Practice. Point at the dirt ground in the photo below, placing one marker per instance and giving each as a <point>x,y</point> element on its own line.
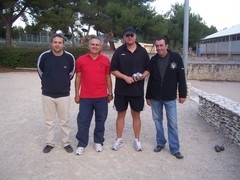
<point>22,135</point>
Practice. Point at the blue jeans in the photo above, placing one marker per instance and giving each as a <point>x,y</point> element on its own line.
<point>86,108</point>
<point>171,113</point>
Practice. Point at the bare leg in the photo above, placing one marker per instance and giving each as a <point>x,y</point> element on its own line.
<point>136,123</point>
<point>120,123</point>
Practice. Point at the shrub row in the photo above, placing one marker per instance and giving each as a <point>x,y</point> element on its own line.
<point>13,57</point>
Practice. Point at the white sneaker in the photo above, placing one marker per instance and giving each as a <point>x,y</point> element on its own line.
<point>117,144</point>
<point>137,145</point>
<point>98,147</point>
<point>80,150</point>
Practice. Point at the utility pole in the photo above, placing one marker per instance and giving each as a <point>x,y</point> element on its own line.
<point>186,36</point>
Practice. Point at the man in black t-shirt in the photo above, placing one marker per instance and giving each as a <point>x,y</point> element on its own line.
<point>128,60</point>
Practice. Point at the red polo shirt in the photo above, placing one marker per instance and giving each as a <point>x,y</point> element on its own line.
<point>93,75</point>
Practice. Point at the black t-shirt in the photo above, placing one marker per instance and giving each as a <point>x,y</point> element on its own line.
<point>129,63</point>
<point>162,63</point>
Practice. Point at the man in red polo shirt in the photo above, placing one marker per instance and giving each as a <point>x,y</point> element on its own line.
<point>93,91</point>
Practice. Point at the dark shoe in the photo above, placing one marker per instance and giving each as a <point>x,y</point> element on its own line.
<point>158,148</point>
<point>69,148</point>
<point>219,148</point>
<point>47,149</point>
<point>178,155</point>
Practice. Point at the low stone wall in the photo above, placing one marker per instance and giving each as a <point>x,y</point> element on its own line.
<point>214,72</point>
<point>222,113</point>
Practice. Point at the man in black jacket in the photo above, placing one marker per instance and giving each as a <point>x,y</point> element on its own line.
<point>56,69</point>
<point>166,77</point>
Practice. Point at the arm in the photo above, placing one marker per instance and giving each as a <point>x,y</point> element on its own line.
<point>148,101</point>
<point>127,79</point>
<point>145,74</point>
<point>40,66</point>
<point>149,85</point>
<point>77,87</point>
<point>115,68</point>
<point>182,85</point>
<point>109,87</point>
<point>71,74</point>
<point>181,100</point>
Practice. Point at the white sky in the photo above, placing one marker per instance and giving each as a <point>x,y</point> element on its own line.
<point>219,13</point>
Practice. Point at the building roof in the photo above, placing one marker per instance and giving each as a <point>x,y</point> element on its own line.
<point>226,32</point>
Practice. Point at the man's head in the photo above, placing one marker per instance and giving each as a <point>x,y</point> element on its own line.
<point>95,45</point>
<point>129,35</point>
<point>161,44</point>
<point>57,43</point>
<point>58,36</point>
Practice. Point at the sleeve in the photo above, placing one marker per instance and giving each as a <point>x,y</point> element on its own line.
<point>182,86</point>
<point>40,65</point>
<point>148,64</point>
<point>107,66</point>
<point>114,61</point>
<point>78,66</point>
<point>148,91</point>
<point>72,72</point>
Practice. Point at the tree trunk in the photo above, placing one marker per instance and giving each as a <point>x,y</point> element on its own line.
<point>8,34</point>
<point>89,26</point>
<point>72,37</point>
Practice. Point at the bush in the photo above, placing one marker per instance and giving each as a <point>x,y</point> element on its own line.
<point>27,57</point>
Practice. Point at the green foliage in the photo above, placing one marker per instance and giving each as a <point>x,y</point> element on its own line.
<point>27,57</point>
<point>11,10</point>
<point>102,15</point>
<point>113,16</point>
<point>77,51</point>
<point>175,22</point>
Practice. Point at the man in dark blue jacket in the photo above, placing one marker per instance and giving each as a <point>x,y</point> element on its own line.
<point>166,77</point>
<point>56,69</point>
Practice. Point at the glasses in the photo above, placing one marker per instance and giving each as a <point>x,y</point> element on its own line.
<point>129,35</point>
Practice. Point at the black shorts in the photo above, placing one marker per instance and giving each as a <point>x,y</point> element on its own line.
<point>136,102</point>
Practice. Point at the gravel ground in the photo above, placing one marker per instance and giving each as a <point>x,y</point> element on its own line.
<point>22,135</point>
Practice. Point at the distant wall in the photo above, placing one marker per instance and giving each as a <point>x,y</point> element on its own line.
<point>214,72</point>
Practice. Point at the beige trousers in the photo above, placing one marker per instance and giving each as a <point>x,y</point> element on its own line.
<point>51,108</point>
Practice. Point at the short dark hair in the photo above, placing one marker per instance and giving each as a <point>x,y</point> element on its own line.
<point>58,35</point>
<point>165,38</point>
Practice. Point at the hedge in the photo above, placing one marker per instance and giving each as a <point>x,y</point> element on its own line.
<point>13,57</point>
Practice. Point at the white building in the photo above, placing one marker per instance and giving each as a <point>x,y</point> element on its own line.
<point>223,44</point>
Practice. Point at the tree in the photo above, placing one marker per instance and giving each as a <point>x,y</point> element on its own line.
<point>197,27</point>
<point>61,16</point>
<point>175,23</point>
<point>11,10</point>
<point>105,16</point>
<point>113,15</point>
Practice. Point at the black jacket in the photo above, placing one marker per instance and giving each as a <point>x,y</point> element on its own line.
<point>174,79</point>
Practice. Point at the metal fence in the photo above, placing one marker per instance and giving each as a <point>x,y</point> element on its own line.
<point>41,38</point>
<point>30,40</point>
